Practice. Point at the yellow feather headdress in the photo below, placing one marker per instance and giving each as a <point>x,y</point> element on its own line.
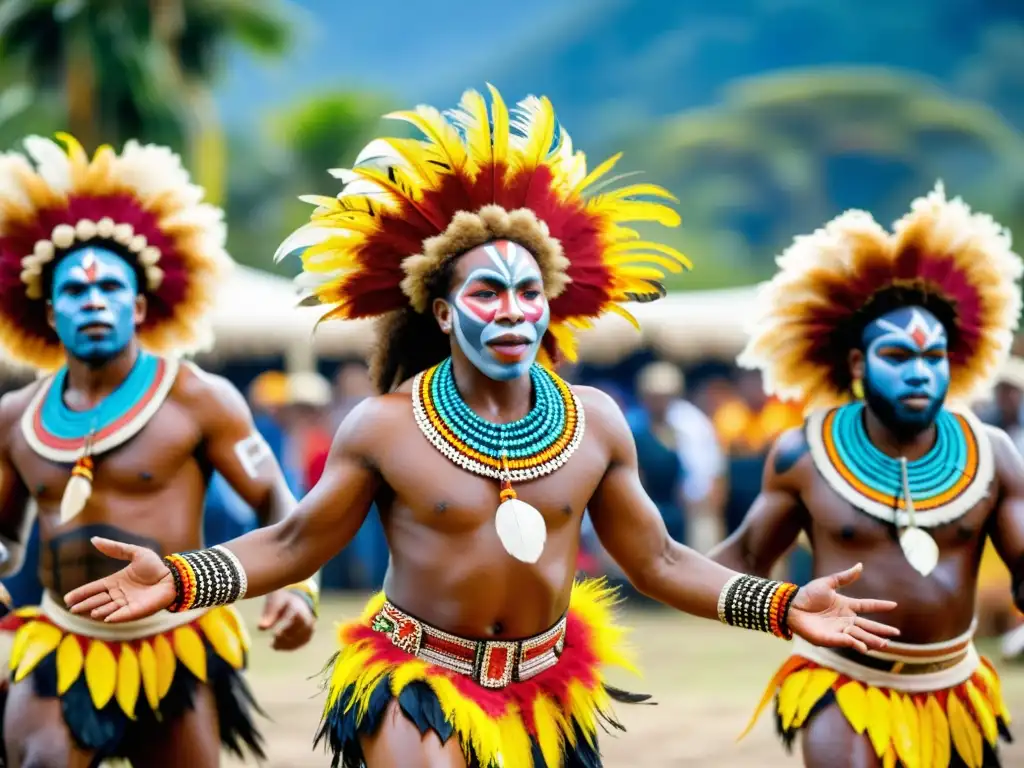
<point>139,204</point>
<point>408,206</point>
<point>958,264</point>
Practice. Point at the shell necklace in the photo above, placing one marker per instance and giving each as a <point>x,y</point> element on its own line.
<point>519,451</point>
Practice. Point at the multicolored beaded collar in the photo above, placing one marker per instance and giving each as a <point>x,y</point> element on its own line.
<point>531,447</point>
<point>944,484</point>
<point>535,445</point>
<point>59,434</point>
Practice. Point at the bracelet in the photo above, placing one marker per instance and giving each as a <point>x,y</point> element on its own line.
<point>760,604</point>
<point>311,592</point>
<point>204,578</point>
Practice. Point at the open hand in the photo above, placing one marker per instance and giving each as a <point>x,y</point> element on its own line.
<point>820,615</point>
<point>142,588</point>
<point>291,618</point>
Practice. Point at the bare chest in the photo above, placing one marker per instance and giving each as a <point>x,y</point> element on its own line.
<point>431,490</point>
<point>145,464</point>
<point>837,521</point>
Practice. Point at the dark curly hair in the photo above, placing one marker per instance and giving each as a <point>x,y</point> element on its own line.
<point>897,297</point>
<point>850,335</point>
<point>409,341</point>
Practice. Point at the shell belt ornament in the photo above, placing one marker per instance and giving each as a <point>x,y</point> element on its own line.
<point>939,488</point>
<point>523,450</point>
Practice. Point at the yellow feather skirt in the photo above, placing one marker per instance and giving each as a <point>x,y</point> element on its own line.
<point>546,722</point>
<point>110,687</point>
<point>952,727</point>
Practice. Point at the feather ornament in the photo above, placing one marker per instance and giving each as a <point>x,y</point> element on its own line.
<point>402,193</point>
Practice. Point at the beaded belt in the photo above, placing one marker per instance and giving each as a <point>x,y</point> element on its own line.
<point>936,671</point>
<point>491,663</point>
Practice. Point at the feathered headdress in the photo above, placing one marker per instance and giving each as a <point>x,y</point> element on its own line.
<point>139,204</point>
<point>408,206</point>
<point>957,264</point>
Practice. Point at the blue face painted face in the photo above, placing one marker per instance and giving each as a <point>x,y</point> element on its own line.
<point>499,312</point>
<point>906,368</point>
<point>93,298</point>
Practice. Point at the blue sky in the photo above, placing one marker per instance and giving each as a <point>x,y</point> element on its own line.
<point>411,49</point>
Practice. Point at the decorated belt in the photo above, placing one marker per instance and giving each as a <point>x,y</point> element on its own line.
<point>900,666</point>
<point>491,663</point>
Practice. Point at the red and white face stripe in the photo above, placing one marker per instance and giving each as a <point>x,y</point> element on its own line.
<point>512,287</point>
<point>501,297</point>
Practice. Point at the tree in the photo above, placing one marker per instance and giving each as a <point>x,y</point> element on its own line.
<point>783,153</point>
<point>98,55</point>
<point>129,69</point>
<point>301,144</point>
<point>193,37</point>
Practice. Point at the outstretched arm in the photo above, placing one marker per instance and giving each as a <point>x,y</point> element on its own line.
<point>776,516</point>
<point>287,552</point>
<point>631,529</point>
<point>234,447</point>
<point>1007,525</point>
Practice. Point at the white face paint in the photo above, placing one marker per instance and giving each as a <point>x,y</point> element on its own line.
<point>500,312</point>
<point>252,452</point>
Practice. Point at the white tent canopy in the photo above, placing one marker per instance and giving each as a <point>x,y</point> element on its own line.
<point>257,314</point>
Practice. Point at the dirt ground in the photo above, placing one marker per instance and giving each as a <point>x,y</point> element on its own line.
<point>706,678</point>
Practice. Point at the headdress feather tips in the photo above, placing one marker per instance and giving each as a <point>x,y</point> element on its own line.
<point>940,254</point>
<point>407,206</point>
<point>140,204</point>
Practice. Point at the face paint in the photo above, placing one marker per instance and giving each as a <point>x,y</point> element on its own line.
<point>906,369</point>
<point>93,298</point>
<point>499,312</point>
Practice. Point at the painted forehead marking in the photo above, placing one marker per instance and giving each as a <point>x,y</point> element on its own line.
<point>917,330</point>
<point>512,260</point>
<point>90,266</point>
<point>87,270</point>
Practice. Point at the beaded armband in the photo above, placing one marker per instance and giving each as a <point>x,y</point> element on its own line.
<point>310,590</point>
<point>205,578</point>
<point>751,602</point>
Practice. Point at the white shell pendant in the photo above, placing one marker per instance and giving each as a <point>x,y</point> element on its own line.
<point>77,491</point>
<point>920,550</point>
<point>521,529</point>
<point>918,546</point>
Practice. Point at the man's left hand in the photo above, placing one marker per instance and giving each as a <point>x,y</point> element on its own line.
<point>822,616</point>
<point>291,618</point>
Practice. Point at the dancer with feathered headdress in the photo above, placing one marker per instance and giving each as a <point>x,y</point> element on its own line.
<point>887,336</point>
<point>481,247</point>
<point>108,271</point>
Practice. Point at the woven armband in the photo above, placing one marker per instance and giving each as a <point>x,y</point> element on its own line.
<point>205,578</point>
<point>754,603</point>
<point>310,590</point>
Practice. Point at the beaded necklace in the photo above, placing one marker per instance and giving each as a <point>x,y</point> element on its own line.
<point>522,450</point>
<point>938,488</point>
<point>64,436</point>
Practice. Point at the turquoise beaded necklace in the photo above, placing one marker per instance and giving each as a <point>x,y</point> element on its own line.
<point>537,431</point>
<point>532,446</point>
<point>942,485</point>
<point>521,450</point>
<point>929,477</point>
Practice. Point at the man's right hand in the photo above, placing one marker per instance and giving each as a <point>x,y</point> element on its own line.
<point>142,588</point>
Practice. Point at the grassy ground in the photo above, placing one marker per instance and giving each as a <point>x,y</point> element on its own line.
<point>705,677</point>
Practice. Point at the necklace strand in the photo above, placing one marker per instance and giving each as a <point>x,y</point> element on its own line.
<point>535,445</point>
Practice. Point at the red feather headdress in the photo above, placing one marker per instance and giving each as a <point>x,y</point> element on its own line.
<point>940,255</point>
<point>139,204</point>
<point>409,205</point>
